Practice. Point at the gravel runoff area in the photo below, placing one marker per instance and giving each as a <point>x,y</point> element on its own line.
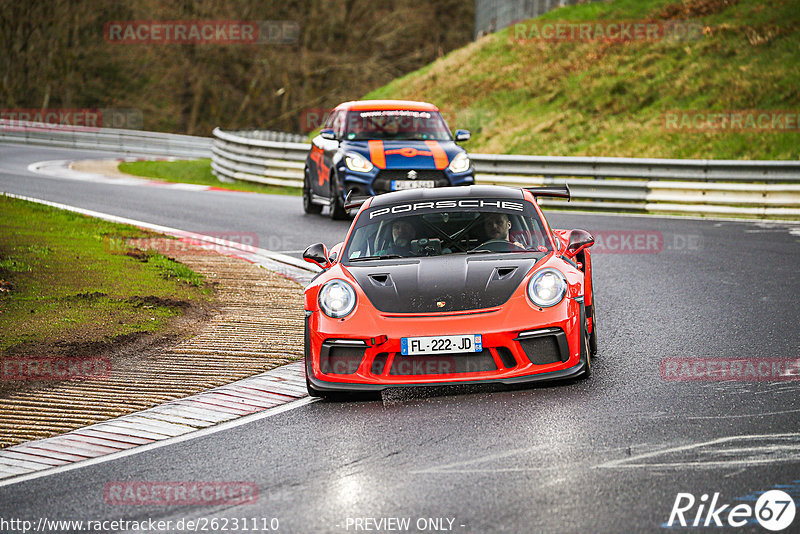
<point>257,326</point>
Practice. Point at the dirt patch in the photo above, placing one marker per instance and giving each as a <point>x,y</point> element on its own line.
<point>152,301</point>
<point>106,167</point>
<point>695,8</point>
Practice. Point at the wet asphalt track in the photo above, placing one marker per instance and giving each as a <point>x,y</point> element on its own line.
<point>605,455</point>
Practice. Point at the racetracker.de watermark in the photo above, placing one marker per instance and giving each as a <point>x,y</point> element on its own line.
<point>742,120</point>
<point>606,30</point>
<point>55,368</point>
<point>214,32</point>
<point>70,119</point>
<point>736,369</point>
<point>184,493</point>
<point>643,242</point>
<point>313,118</point>
<point>216,242</point>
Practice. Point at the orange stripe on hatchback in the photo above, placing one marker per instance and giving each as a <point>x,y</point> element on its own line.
<point>439,155</point>
<point>377,154</point>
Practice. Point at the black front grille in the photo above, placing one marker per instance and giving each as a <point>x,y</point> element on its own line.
<point>545,349</point>
<point>435,364</point>
<point>340,360</point>
<point>383,181</point>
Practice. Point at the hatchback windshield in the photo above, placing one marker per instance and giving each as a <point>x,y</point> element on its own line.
<point>436,232</point>
<point>396,124</point>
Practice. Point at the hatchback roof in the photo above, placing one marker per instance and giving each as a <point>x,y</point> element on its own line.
<point>377,105</point>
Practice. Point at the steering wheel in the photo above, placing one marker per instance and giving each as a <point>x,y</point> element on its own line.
<point>499,245</point>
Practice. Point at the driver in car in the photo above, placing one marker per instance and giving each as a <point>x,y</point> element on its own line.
<point>497,226</point>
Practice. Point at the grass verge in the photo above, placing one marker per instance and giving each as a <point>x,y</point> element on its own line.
<point>68,282</point>
<point>196,172</point>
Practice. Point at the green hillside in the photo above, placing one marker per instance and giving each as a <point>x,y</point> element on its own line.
<point>599,97</point>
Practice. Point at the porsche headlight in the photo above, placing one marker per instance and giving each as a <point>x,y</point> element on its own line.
<point>460,163</point>
<point>547,287</point>
<point>357,162</point>
<point>337,299</point>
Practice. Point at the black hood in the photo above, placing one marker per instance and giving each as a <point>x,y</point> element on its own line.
<point>461,282</point>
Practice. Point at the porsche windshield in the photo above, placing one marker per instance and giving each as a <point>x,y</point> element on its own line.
<point>436,232</point>
<point>396,124</point>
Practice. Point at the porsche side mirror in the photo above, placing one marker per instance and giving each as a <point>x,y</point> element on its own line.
<point>462,135</point>
<point>328,133</point>
<point>318,255</point>
<point>578,240</point>
<point>333,254</point>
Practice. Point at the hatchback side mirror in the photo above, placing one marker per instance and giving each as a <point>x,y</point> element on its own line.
<point>328,133</point>
<point>462,135</point>
<point>578,241</point>
<point>318,255</point>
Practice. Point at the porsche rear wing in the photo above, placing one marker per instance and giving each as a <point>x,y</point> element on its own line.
<point>555,191</point>
<point>354,202</point>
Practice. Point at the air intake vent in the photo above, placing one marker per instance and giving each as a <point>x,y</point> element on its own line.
<point>381,279</point>
<point>549,346</point>
<point>340,360</point>
<point>504,272</point>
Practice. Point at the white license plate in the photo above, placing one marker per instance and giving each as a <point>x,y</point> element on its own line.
<point>399,185</point>
<point>409,346</point>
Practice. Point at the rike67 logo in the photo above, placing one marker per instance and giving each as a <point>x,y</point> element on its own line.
<point>774,510</point>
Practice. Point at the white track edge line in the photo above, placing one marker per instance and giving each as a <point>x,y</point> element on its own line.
<point>226,425</point>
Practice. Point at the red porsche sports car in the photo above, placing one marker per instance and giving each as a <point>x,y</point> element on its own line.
<point>450,286</point>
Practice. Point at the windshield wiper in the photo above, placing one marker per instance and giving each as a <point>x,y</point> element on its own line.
<point>378,257</point>
<point>486,250</point>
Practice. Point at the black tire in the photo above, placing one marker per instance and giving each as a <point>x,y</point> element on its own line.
<point>593,335</point>
<point>586,353</point>
<point>308,206</point>
<point>338,213</point>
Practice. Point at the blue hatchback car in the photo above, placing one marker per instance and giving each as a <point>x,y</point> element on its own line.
<point>371,147</point>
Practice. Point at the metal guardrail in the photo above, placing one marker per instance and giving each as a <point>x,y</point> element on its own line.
<point>133,142</point>
<point>716,187</point>
<point>713,187</point>
<point>249,157</point>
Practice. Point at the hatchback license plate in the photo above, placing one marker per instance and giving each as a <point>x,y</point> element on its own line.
<point>400,185</point>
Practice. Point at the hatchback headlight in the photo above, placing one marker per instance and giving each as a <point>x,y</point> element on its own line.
<point>337,299</point>
<point>357,162</point>
<point>460,163</point>
<point>547,287</point>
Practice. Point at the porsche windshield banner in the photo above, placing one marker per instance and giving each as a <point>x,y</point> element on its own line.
<point>498,205</point>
